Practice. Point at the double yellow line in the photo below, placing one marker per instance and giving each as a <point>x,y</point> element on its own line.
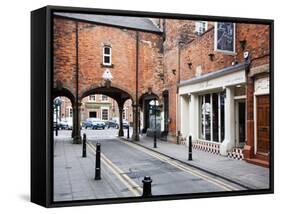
<point>184,167</point>
<point>132,186</point>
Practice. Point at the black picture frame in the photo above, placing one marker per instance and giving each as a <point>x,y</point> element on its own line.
<point>41,106</point>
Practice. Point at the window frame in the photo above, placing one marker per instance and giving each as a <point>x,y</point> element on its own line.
<point>102,109</point>
<point>198,25</point>
<point>107,55</point>
<point>234,40</point>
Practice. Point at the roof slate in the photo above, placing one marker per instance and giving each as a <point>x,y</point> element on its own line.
<point>139,23</point>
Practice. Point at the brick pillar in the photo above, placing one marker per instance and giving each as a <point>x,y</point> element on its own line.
<point>76,124</point>
<point>249,146</point>
<point>135,135</point>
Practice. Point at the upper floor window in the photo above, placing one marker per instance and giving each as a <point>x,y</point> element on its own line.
<point>92,98</point>
<point>201,27</point>
<point>104,97</point>
<point>225,37</point>
<point>106,55</point>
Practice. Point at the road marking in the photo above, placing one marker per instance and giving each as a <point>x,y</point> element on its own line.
<point>125,179</point>
<point>183,167</point>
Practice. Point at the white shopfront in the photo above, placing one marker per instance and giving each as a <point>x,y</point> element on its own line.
<point>207,107</point>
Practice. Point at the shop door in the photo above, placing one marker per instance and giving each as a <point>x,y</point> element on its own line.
<point>263,124</point>
<point>240,123</point>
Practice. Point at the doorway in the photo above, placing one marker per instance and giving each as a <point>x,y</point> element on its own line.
<point>263,129</point>
<point>240,124</point>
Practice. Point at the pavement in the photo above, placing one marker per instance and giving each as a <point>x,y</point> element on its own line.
<point>74,175</point>
<point>249,175</point>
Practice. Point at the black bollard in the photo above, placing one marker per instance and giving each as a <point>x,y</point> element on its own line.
<point>146,186</point>
<point>57,129</point>
<point>190,148</point>
<point>98,169</point>
<point>128,132</point>
<point>155,140</point>
<point>84,152</point>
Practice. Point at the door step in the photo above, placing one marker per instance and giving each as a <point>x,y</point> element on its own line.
<point>236,153</point>
<point>258,162</point>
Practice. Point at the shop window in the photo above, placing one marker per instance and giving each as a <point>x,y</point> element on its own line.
<point>212,117</point>
<point>225,37</point>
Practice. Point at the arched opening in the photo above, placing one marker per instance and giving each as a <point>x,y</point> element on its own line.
<point>62,116</point>
<point>150,114</point>
<point>109,109</point>
<point>63,104</point>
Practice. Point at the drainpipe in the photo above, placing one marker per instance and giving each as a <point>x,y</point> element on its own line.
<point>180,43</point>
<point>77,137</point>
<point>136,106</point>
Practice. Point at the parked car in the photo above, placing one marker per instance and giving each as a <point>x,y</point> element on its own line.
<point>93,123</point>
<point>114,123</point>
<point>62,124</point>
<point>69,122</point>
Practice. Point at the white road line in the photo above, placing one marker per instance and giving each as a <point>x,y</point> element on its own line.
<point>125,179</point>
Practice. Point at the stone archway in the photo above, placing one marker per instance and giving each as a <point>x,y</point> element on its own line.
<point>144,104</point>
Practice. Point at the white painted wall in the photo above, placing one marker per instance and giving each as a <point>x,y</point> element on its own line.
<point>185,120</point>
<point>194,117</point>
<point>229,139</point>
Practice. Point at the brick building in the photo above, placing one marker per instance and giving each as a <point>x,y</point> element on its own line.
<point>224,90</point>
<point>209,80</point>
<point>97,106</point>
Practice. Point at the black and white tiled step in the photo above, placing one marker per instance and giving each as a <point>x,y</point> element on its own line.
<point>236,153</point>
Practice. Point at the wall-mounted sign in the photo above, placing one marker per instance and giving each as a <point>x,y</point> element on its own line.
<point>225,37</point>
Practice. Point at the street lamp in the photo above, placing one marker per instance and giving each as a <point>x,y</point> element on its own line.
<point>57,103</point>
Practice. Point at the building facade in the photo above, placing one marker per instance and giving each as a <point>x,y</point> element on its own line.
<point>209,80</point>
<point>96,106</point>
<point>224,91</point>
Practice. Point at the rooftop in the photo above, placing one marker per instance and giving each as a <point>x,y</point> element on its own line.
<point>136,23</point>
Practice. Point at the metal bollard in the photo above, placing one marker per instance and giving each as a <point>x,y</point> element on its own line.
<point>98,169</point>
<point>128,132</point>
<point>146,186</point>
<point>57,129</point>
<point>155,140</point>
<point>84,152</point>
<point>190,148</point>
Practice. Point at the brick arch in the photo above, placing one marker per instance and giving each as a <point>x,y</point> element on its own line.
<point>148,94</point>
<point>63,92</point>
<point>114,91</point>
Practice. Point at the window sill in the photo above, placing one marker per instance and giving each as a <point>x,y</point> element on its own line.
<point>107,66</point>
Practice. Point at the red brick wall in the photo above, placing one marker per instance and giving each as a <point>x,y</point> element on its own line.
<point>123,44</point>
<point>176,30</point>
<point>197,51</point>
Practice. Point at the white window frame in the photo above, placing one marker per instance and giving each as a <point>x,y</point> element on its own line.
<point>204,119</point>
<point>199,27</point>
<point>106,55</point>
<point>69,110</point>
<point>234,40</point>
<point>94,98</point>
<point>106,100</point>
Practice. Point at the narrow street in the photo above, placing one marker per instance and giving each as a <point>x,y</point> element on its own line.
<point>123,167</point>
